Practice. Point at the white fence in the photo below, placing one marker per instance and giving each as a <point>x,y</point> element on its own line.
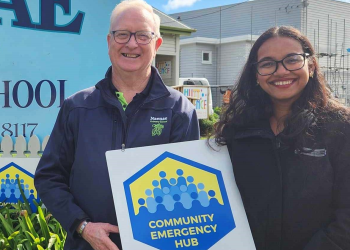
<point>20,148</point>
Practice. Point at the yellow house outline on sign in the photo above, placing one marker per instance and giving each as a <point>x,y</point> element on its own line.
<point>8,175</point>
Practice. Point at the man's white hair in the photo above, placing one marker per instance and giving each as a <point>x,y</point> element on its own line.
<point>135,4</point>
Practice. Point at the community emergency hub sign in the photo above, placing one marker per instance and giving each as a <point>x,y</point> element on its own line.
<point>178,196</point>
<point>49,49</point>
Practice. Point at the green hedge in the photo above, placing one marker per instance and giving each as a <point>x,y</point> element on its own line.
<point>23,230</point>
<point>206,126</point>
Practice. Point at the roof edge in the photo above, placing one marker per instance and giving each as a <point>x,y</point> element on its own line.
<point>215,41</point>
<point>174,20</point>
<point>178,29</point>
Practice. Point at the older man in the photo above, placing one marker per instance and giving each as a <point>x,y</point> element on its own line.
<point>120,111</point>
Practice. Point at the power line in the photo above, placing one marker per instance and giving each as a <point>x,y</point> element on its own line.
<point>208,13</point>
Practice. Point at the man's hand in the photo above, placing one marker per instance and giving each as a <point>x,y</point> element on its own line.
<point>97,235</point>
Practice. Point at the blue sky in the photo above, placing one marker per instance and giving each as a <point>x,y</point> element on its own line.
<point>174,6</point>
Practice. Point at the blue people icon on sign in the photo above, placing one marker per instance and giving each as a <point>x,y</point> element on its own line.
<point>176,203</point>
<point>178,192</point>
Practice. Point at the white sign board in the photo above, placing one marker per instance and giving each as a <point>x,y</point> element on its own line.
<point>178,196</point>
<point>164,69</point>
<point>201,94</point>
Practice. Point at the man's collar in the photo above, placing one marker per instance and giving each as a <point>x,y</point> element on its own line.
<point>113,89</point>
<point>156,90</point>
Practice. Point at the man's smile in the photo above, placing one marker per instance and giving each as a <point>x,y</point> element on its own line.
<point>130,55</point>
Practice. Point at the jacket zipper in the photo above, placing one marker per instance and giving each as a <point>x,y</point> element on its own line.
<point>125,135</point>
<point>114,131</point>
<point>276,145</point>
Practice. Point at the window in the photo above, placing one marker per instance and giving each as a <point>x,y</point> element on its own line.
<point>193,82</point>
<point>206,57</point>
<point>188,83</point>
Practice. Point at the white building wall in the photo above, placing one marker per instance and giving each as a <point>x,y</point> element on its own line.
<point>170,51</point>
<point>234,20</point>
<point>169,81</point>
<point>330,15</point>
<point>325,29</point>
<point>187,60</point>
<point>252,17</point>
<point>233,57</point>
<point>321,20</point>
<point>168,46</point>
<point>191,62</point>
<point>206,70</point>
<point>206,25</point>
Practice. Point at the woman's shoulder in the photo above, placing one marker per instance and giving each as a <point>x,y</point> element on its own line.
<point>335,129</point>
<point>232,131</point>
<point>336,121</point>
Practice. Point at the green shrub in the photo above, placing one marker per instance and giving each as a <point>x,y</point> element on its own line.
<point>206,126</point>
<point>23,230</point>
<point>218,110</point>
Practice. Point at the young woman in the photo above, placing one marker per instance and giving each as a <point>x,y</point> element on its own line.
<point>289,143</point>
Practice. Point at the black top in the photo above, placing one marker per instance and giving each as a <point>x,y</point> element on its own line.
<point>294,200</point>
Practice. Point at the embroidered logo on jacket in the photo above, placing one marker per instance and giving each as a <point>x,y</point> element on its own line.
<point>157,127</point>
<point>312,152</point>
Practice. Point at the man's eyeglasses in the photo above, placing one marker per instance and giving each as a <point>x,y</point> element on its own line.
<point>291,63</point>
<point>141,37</point>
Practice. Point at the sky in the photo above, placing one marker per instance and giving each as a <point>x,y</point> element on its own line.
<point>174,6</point>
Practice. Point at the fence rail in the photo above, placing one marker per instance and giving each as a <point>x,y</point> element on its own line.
<point>20,148</point>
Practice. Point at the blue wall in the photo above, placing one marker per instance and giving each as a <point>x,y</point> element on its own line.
<point>47,46</point>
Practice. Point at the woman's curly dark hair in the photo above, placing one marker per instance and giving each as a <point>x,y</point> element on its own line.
<point>250,103</point>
